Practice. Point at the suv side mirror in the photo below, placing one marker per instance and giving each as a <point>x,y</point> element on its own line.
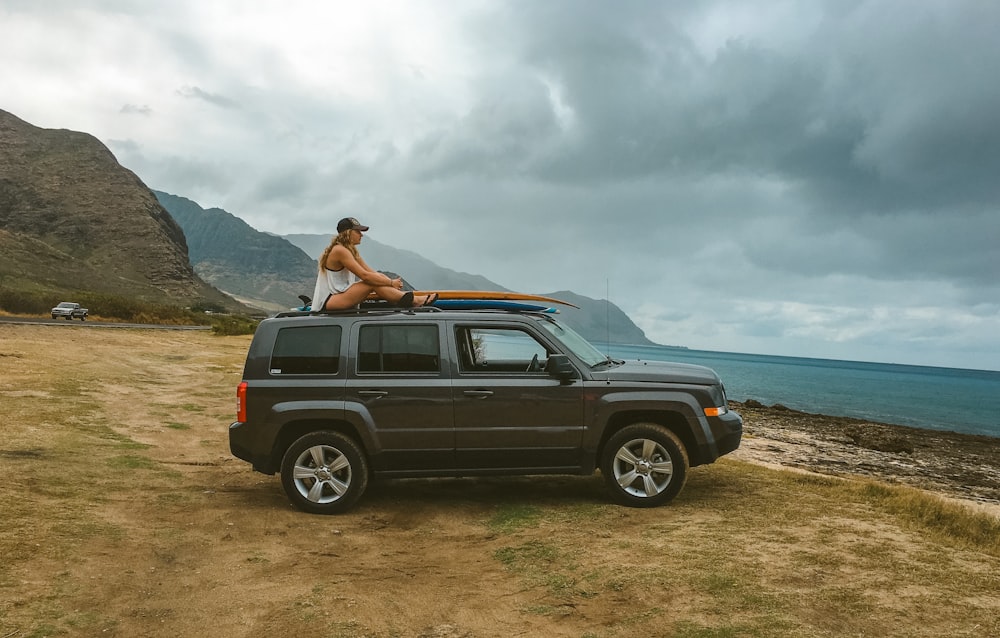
<point>559,366</point>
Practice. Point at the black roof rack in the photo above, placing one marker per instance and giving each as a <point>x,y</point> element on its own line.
<point>387,309</point>
<point>382,309</point>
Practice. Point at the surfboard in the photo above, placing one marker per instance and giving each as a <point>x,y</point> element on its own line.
<point>491,304</point>
<point>492,295</point>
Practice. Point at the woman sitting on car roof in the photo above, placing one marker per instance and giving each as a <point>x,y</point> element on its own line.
<point>345,280</point>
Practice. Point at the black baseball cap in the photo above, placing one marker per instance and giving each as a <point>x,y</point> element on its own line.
<point>349,223</point>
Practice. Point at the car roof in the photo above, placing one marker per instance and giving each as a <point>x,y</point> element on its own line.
<point>388,312</point>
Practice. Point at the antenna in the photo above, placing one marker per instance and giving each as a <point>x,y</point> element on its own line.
<point>607,314</point>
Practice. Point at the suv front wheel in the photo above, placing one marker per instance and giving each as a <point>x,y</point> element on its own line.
<point>644,465</point>
<point>324,472</point>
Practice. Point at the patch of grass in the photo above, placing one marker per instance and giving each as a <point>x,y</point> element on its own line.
<point>527,555</point>
<point>718,545</point>
<point>123,442</point>
<point>174,425</point>
<point>943,519</point>
<point>257,558</point>
<point>344,629</point>
<point>80,530</point>
<point>581,512</point>
<point>692,630</point>
<point>131,462</point>
<point>512,517</point>
<point>44,630</point>
<point>544,565</point>
<point>173,498</point>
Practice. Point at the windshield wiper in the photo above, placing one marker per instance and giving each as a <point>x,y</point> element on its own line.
<point>607,362</point>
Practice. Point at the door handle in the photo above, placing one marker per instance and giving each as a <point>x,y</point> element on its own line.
<point>378,394</point>
<point>478,394</point>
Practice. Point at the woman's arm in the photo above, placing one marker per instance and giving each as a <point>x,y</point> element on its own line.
<point>340,255</point>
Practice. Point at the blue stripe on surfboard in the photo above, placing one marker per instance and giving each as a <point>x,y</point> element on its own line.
<point>489,304</point>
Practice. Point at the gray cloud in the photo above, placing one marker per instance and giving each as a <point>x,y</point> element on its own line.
<point>791,178</point>
<point>135,109</point>
<point>860,113</point>
<point>193,92</point>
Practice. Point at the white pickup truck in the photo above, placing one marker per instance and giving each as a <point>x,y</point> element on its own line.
<point>69,311</point>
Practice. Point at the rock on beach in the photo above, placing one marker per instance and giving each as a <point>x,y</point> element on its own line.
<point>956,465</point>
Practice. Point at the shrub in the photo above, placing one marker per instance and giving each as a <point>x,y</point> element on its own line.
<point>23,302</point>
<point>228,326</point>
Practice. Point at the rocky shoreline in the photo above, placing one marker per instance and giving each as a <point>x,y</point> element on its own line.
<point>962,466</point>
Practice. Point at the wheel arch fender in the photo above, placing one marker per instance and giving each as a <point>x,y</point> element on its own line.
<point>295,419</point>
<point>677,411</point>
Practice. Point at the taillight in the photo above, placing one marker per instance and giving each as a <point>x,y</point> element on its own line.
<point>241,402</point>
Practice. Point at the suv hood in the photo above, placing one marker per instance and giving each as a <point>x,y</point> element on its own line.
<point>663,372</point>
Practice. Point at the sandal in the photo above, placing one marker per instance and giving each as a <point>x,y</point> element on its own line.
<point>406,301</point>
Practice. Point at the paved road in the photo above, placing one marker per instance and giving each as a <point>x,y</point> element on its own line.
<point>34,321</point>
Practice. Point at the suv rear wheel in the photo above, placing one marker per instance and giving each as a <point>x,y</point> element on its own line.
<point>324,472</point>
<point>644,465</point>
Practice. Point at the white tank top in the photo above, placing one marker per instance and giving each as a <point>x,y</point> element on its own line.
<point>332,282</point>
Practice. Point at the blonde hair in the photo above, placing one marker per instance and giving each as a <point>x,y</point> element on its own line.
<point>344,239</point>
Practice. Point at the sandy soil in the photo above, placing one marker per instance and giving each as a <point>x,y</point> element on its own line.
<point>127,516</point>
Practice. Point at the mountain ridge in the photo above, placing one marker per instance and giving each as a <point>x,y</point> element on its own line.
<point>596,319</point>
<point>259,268</point>
<point>416,267</point>
<point>74,219</point>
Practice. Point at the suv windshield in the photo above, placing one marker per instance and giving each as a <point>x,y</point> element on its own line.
<point>574,343</point>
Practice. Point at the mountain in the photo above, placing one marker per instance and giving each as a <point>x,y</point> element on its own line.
<point>268,271</point>
<point>599,321</point>
<point>419,271</point>
<point>72,219</point>
<point>262,270</point>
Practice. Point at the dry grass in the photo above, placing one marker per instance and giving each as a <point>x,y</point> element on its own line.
<point>125,515</point>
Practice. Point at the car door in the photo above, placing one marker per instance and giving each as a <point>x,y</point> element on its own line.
<point>402,389</point>
<point>509,413</point>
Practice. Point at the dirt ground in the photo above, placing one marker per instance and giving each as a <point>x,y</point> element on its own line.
<point>126,515</point>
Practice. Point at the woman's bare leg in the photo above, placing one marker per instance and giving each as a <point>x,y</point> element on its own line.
<point>360,291</point>
<point>393,295</point>
<point>349,298</point>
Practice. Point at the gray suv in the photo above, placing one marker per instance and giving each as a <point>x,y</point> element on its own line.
<point>330,400</point>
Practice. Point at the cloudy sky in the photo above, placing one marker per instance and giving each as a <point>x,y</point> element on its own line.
<point>801,178</point>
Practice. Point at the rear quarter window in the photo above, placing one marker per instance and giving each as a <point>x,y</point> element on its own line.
<point>307,350</point>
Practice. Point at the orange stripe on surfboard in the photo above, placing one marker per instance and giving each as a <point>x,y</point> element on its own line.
<point>492,295</point>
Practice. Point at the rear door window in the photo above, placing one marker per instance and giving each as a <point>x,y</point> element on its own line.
<point>388,348</point>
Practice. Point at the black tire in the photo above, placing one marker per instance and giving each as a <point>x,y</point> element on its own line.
<point>324,472</point>
<point>83,318</point>
<point>644,465</point>
<point>53,316</point>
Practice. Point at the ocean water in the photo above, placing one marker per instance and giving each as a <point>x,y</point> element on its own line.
<point>937,398</point>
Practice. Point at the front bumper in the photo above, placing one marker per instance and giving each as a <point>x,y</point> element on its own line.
<point>728,433</point>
